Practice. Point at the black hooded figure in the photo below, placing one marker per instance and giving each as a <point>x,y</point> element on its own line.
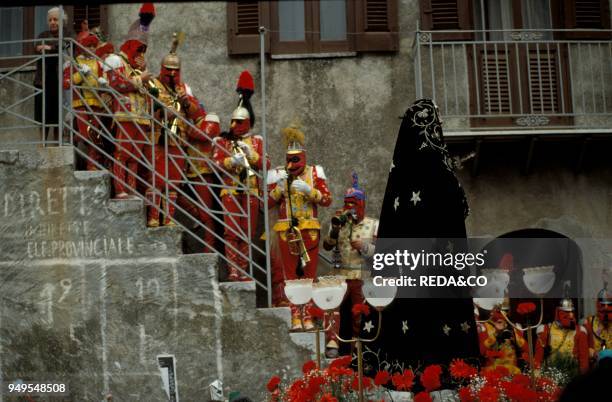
<point>423,199</point>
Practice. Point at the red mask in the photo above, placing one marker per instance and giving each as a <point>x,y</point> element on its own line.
<point>170,76</point>
<point>356,207</point>
<point>296,163</point>
<point>135,51</point>
<point>566,318</point>
<point>239,128</point>
<point>213,129</point>
<point>604,312</point>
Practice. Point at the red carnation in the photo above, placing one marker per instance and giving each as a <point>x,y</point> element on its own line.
<point>422,396</point>
<point>430,379</point>
<point>366,382</point>
<point>460,369</point>
<point>403,381</point>
<point>382,377</point>
<point>314,384</point>
<point>361,308</point>
<point>343,361</point>
<point>525,308</point>
<point>328,398</point>
<point>465,395</point>
<point>315,312</point>
<point>488,393</point>
<point>273,383</point>
<point>309,366</point>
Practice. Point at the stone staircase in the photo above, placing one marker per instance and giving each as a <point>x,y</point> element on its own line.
<point>91,295</point>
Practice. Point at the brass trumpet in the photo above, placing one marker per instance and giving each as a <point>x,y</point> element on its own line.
<point>296,245</point>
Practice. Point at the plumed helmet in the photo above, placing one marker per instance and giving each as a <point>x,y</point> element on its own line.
<point>293,138</point>
<point>245,88</point>
<point>139,30</point>
<point>172,60</point>
<point>355,191</point>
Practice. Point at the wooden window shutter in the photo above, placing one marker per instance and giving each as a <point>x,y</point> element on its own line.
<point>447,15</point>
<point>243,21</point>
<point>376,25</point>
<point>586,14</point>
<point>495,95</point>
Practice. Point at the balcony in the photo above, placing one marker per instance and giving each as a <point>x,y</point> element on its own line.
<point>521,82</point>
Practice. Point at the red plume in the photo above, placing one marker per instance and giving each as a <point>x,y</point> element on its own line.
<point>245,82</point>
<point>146,14</point>
<point>507,262</point>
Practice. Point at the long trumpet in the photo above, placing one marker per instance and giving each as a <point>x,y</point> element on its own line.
<point>245,166</point>
<point>295,242</point>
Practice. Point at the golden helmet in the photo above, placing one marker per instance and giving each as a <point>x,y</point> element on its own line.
<point>171,60</point>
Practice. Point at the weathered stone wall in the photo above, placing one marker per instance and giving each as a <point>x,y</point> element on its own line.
<point>90,296</point>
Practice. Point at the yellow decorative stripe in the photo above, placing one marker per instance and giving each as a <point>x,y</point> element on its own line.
<point>284,225</point>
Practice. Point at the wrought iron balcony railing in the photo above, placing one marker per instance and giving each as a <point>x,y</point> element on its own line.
<point>517,81</point>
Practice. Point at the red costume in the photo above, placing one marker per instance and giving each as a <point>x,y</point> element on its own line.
<point>86,75</point>
<point>131,112</point>
<point>599,326</point>
<point>297,226</point>
<point>351,237</point>
<point>500,344</point>
<point>178,105</point>
<point>200,174</point>
<point>239,154</point>
<point>563,340</point>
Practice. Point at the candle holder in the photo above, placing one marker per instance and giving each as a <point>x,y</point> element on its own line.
<point>378,297</point>
<point>539,281</point>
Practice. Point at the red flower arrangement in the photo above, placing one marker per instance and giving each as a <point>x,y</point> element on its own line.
<point>382,378</point>
<point>488,393</point>
<point>430,379</point>
<point>404,381</point>
<point>525,308</point>
<point>459,369</point>
<point>360,308</point>
<point>309,366</point>
<point>328,398</point>
<point>273,383</point>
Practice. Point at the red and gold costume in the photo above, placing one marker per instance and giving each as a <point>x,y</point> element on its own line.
<point>297,217</point>
<point>86,75</point>
<point>563,340</point>
<point>131,109</point>
<point>500,344</point>
<point>178,105</point>
<point>240,153</point>
<point>599,326</point>
<point>200,174</point>
<point>352,238</point>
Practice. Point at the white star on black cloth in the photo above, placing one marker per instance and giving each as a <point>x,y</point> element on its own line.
<point>368,326</point>
<point>416,197</point>
<point>465,327</point>
<point>405,326</point>
<point>396,203</point>
<point>446,329</point>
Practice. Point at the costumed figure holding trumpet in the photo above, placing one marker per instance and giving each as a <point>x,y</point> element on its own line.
<point>599,326</point>
<point>297,190</point>
<point>351,239</point>
<point>127,75</point>
<point>240,153</point>
<point>178,105</point>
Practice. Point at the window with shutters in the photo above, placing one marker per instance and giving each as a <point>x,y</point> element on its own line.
<point>312,27</point>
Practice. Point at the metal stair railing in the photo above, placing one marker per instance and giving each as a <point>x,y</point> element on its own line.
<point>148,167</point>
<point>104,123</point>
<point>25,63</point>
